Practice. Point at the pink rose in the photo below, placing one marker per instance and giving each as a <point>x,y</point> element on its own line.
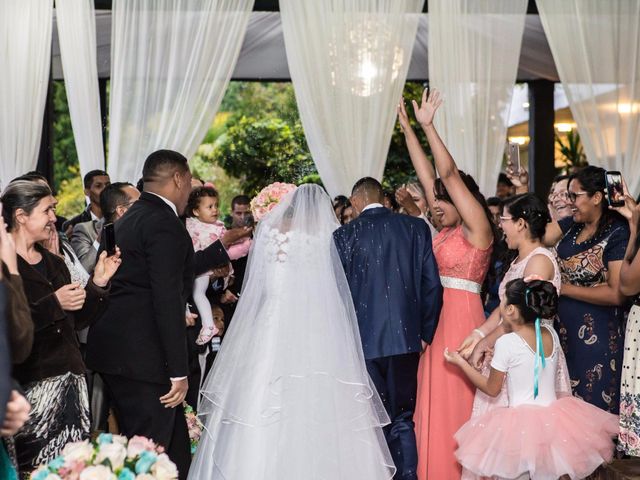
<point>138,444</point>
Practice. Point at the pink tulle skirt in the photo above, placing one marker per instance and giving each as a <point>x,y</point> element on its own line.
<point>568,437</point>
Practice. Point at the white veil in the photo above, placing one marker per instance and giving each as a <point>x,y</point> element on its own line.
<point>289,396</point>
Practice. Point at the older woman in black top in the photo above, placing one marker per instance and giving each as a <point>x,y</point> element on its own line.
<point>53,373</point>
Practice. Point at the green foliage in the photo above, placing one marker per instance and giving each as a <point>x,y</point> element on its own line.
<point>263,139</point>
<point>226,185</point>
<point>65,156</point>
<point>398,169</point>
<point>261,151</point>
<point>70,196</point>
<point>572,152</point>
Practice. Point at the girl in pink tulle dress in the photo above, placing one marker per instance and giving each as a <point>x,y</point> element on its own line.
<point>538,435</point>
<point>205,228</point>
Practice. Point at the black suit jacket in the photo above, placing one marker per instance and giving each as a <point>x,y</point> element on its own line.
<point>394,281</point>
<point>142,335</point>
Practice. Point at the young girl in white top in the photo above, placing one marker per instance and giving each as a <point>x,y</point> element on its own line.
<point>205,228</point>
<point>538,436</point>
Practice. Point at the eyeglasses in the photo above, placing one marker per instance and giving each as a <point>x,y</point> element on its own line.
<point>574,195</point>
<point>504,219</point>
<point>563,195</point>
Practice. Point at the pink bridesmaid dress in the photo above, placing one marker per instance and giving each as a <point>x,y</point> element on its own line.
<point>445,396</point>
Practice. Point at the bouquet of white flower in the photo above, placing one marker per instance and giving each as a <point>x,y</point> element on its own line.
<point>110,457</point>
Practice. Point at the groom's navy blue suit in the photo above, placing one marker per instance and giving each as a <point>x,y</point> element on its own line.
<point>394,282</point>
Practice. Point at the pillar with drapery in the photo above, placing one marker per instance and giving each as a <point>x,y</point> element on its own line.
<point>596,48</point>
<point>474,50</point>
<point>348,61</point>
<point>25,57</point>
<point>171,63</point>
<point>77,35</point>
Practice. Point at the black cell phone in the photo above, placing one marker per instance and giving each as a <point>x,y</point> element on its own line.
<point>249,221</point>
<point>109,239</point>
<point>615,190</point>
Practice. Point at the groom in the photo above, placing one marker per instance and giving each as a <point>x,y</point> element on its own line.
<point>139,345</point>
<point>394,282</point>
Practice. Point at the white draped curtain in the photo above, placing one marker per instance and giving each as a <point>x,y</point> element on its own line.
<point>171,64</point>
<point>596,48</point>
<point>25,57</point>
<point>348,61</point>
<point>474,48</point>
<point>77,36</point>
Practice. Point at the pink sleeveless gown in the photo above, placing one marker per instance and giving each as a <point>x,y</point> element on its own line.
<point>445,396</point>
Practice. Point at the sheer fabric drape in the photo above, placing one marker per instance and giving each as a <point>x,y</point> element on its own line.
<point>25,57</point>
<point>348,61</point>
<point>171,64</point>
<point>474,48</point>
<point>596,47</point>
<point>77,35</point>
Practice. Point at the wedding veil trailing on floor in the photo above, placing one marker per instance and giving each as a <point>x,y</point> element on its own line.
<point>289,397</point>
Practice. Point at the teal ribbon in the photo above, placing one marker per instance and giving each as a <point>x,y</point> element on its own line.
<point>540,361</point>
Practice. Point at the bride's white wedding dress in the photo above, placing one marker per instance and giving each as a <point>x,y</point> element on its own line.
<point>289,397</point>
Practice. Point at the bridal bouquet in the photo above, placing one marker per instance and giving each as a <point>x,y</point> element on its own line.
<point>268,198</point>
<point>194,425</point>
<point>109,457</point>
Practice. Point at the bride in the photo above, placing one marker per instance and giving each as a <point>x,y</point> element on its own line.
<point>289,396</point>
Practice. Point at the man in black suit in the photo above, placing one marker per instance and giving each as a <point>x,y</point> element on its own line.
<point>394,282</point>
<point>139,345</point>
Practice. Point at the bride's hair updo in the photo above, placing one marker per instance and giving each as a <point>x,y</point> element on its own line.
<point>534,299</point>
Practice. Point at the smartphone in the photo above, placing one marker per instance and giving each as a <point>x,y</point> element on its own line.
<point>615,190</point>
<point>248,221</point>
<point>514,156</point>
<point>109,239</point>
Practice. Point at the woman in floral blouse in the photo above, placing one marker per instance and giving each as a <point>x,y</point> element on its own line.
<point>590,254</point>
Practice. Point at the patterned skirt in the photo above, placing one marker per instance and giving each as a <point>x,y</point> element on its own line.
<point>630,387</point>
<point>59,415</point>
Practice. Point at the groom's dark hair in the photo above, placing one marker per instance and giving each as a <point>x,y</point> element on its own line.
<point>368,186</point>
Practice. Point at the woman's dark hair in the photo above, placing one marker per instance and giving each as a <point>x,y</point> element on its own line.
<point>23,194</point>
<point>196,195</point>
<point>494,202</point>
<point>443,196</point>
<point>391,196</point>
<point>532,210</point>
<point>593,180</point>
<point>504,179</point>
<point>340,201</point>
<point>534,299</point>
